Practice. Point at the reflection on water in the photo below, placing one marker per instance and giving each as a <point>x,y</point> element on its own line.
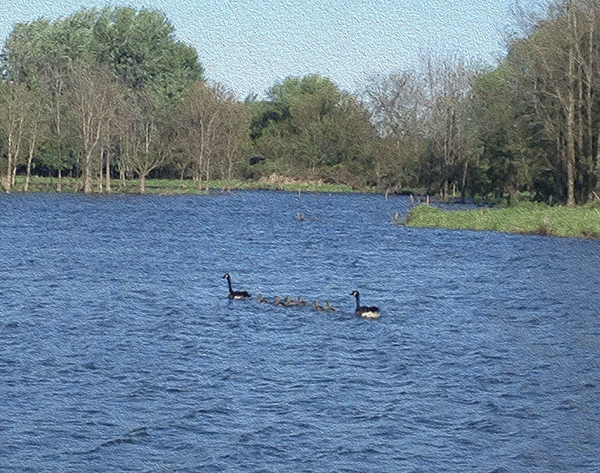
<point>119,349</point>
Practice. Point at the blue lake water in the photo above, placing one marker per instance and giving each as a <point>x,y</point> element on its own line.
<point>119,350</point>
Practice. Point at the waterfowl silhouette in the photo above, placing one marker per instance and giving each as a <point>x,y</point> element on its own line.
<point>261,299</point>
<point>238,295</point>
<point>301,302</point>
<point>289,302</point>
<point>317,306</point>
<point>278,302</point>
<point>365,311</point>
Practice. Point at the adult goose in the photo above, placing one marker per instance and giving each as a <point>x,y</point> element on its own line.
<point>238,295</point>
<point>365,311</point>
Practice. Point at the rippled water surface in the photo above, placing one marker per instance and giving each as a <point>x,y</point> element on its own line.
<point>119,350</point>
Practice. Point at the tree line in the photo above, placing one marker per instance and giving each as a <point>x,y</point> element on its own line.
<point>112,93</point>
<point>106,94</point>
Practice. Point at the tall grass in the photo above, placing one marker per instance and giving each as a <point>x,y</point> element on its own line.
<point>581,222</point>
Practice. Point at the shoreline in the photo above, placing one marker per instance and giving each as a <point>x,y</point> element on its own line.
<point>70,185</point>
<point>581,222</point>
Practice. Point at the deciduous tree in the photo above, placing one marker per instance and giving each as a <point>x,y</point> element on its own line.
<point>146,144</point>
<point>16,102</point>
<point>94,100</point>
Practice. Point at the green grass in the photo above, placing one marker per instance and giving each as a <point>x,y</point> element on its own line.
<point>170,186</point>
<point>579,222</point>
<point>293,187</point>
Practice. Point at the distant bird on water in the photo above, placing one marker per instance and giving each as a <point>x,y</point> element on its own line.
<point>365,311</point>
<point>237,295</point>
<point>262,300</point>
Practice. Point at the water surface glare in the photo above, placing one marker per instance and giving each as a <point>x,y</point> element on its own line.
<point>119,350</point>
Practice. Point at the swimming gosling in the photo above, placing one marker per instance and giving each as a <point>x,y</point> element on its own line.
<point>301,302</point>
<point>329,308</point>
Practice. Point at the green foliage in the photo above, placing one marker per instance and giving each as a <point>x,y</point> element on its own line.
<point>309,127</point>
<point>139,47</point>
<point>502,133</point>
<point>49,159</point>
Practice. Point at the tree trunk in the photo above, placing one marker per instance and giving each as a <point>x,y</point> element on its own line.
<point>100,173</point>
<point>142,184</point>
<point>7,184</point>
<point>570,151</point>
<point>108,188</point>
<point>29,161</point>
<point>87,174</point>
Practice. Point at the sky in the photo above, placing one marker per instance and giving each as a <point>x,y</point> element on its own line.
<point>250,46</point>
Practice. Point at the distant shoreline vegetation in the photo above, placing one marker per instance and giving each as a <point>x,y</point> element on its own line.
<point>109,95</point>
<point>526,218</point>
<point>69,185</point>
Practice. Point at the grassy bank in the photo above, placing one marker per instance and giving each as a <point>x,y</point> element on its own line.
<point>174,186</point>
<point>579,222</point>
